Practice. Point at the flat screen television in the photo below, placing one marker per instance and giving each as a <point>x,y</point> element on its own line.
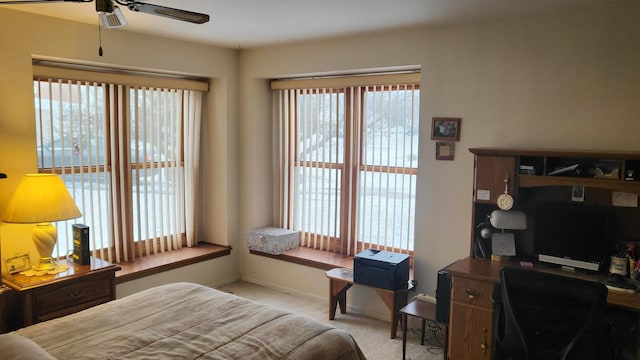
<point>572,235</point>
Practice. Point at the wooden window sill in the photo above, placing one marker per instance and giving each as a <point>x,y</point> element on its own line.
<point>314,258</point>
<point>158,263</point>
<point>317,259</point>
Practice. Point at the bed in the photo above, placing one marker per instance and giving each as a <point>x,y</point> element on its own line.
<point>182,321</point>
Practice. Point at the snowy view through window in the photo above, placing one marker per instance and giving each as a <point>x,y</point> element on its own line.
<point>384,149</point>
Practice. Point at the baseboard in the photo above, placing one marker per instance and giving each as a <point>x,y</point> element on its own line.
<point>293,292</point>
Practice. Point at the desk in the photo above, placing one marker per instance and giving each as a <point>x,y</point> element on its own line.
<point>473,281</point>
<point>341,280</point>
<point>485,270</point>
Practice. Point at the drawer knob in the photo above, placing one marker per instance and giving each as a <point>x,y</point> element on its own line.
<point>75,295</point>
<point>483,346</point>
<point>472,294</point>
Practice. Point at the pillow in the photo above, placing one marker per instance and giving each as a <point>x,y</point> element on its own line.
<point>16,347</point>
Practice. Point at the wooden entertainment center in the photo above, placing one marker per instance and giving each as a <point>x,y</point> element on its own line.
<point>532,177</point>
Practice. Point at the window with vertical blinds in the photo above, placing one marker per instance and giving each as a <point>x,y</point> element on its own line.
<point>348,154</point>
<point>128,154</point>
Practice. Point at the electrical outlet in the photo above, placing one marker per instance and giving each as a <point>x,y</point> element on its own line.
<point>426,298</point>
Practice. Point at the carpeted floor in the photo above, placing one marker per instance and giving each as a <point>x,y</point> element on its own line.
<point>371,334</point>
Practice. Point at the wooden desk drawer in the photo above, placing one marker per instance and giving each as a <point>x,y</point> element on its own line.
<point>73,296</point>
<point>472,292</point>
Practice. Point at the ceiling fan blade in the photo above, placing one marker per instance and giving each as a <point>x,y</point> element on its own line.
<point>176,14</point>
<point>39,1</point>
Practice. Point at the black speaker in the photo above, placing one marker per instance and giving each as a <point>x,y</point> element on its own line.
<point>443,297</point>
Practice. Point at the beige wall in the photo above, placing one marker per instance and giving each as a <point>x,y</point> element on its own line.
<point>24,36</point>
<point>567,80</point>
<point>560,81</point>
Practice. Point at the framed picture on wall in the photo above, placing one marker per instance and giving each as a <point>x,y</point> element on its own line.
<point>445,150</point>
<point>577,193</point>
<point>445,129</point>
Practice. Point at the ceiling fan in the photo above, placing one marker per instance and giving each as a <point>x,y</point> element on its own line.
<point>111,16</point>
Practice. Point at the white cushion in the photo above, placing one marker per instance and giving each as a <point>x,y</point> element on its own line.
<point>16,347</point>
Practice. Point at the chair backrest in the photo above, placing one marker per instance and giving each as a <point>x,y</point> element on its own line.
<point>548,316</point>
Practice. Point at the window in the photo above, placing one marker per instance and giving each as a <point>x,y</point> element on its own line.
<point>127,150</point>
<point>349,156</point>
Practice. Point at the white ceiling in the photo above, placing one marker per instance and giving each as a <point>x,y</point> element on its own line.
<point>250,23</point>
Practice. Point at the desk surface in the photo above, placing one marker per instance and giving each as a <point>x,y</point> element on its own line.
<point>23,282</point>
<point>420,309</point>
<point>486,270</point>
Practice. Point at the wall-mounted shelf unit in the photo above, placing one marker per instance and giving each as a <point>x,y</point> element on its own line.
<point>615,171</point>
<point>535,176</point>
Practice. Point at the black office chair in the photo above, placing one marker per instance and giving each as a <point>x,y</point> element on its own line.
<point>542,316</point>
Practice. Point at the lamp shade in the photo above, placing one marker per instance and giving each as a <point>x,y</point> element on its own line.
<point>508,220</point>
<point>40,198</point>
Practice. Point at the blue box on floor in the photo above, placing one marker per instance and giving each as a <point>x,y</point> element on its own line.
<point>381,269</point>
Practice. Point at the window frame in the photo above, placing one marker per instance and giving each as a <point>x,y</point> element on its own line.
<point>132,248</point>
<point>349,184</point>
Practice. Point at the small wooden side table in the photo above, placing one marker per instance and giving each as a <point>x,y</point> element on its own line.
<point>47,297</point>
<point>425,311</point>
<point>341,280</point>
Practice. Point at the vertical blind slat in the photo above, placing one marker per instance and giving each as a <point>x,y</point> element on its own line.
<point>83,132</point>
<point>376,125</point>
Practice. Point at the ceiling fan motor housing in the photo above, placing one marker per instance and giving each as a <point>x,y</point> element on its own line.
<point>112,17</point>
<point>105,6</point>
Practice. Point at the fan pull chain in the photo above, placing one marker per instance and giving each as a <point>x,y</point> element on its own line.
<point>99,38</point>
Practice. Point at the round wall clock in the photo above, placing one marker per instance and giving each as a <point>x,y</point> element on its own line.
<point>505,201</point>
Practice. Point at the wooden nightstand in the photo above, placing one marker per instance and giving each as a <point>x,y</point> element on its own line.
<point>42,298</point>
<point>7,317</point>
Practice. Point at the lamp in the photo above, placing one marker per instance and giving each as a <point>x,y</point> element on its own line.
<point>503,244</point>
<point>41,199</point>
<point>508,220</point>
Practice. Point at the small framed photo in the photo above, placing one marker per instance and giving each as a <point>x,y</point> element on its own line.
<point>445,150</point>
<point>445,129</point>
<point>577,193</point>
<point>18,263</point>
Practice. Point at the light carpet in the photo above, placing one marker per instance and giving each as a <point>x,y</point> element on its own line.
<point>371,334</point>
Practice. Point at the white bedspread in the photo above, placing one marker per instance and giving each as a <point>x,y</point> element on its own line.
<point>189,321</point>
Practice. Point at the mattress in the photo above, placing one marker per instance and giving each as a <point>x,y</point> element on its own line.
<point>189,321</point>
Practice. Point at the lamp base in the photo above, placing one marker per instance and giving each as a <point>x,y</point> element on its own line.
<point>46,264</point>
<point>501,258</point>
<point>44,237</point>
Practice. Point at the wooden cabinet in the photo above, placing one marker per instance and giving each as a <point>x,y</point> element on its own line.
<point>471,316</point>
<point>535,176</point>
<point>47,297</point>
<point>471,323</point>
<point>471,319</point>
<point>615,171</point>
<point>492,175</point>
<point>470,333</point>
<point>7,315</point>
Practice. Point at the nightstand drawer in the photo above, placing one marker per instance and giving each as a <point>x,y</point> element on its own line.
<point>472,292</point>
<point>41,298</point>
<point>70,297</point>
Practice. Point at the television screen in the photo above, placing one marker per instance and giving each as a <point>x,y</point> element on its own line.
<point>572,235</point>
